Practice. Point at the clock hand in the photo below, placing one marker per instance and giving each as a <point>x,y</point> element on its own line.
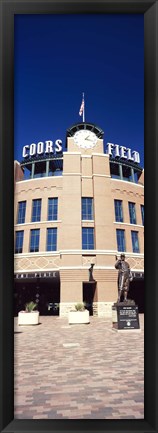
<point>88,139</point>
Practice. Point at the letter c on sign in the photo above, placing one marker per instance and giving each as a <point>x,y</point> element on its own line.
<point>24,153</point>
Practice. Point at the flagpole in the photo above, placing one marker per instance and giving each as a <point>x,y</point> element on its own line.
<point>83,109</point>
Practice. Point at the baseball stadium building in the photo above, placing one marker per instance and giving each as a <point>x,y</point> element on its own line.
<point>74,208</point>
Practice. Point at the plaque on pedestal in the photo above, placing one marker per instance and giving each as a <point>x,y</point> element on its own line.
<point>127,316</point>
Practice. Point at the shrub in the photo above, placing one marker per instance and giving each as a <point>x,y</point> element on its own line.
<point>80,307</point>
<point>30,306</point>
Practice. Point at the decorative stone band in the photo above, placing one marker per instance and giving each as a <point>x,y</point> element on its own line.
<point>100,309</point>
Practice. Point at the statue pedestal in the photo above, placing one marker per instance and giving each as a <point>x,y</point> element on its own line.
<point>125,316</point>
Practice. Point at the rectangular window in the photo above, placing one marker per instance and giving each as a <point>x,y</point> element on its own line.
<point>126,173</point>
<point>52,209</point>
<point>40,170</point>
<point>34,240</point>
<point>114,170</point>
<point>120,234</point>
<point>36,210</point>
<point>142,213</point>
<point>118,211</point>
<point>51,239</point>
<point>19,241</point>
<point>87,208</point>
<point>88,238</point>
<point>135,243</point>
<point>132,213</point>
<point>21,212</point>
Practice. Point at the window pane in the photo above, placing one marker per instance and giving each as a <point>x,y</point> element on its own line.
<point>52,209</point>
<point>120,240</point>
<point>34,240</point>
<point>19,242</point>
<point>21,212</point>
<point>114,170</point>
<point>51,239</point>
<point>118,211</point>
<point>40,169</point>
<point>87,208</point>
<point>87,238</point>
<point>132,213</point>
<point>126,172</point>
<point>142,212</point>
<point>36,210</point>
<point>135,243</point>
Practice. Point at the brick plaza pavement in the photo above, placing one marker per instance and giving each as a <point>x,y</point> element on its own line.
<point>78,371</point>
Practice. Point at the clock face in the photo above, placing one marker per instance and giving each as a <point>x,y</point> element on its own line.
<point>86,139</point>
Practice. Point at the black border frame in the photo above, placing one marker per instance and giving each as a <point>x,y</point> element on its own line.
<point>7,10</point>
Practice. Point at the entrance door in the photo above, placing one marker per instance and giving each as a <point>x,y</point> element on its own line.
<point>89,295</point>
<point>49,297</point>
<point>136,292</point>
<point>45,292</point>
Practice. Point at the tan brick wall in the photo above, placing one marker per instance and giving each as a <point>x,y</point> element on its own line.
<point>141,179</point>
<point>86,165</point>
<point>18,172</point>
<point>101,164</point>
<point>87,187</point>
<point>71,291</point>
<point>104,213</point>
<point>129,192</point>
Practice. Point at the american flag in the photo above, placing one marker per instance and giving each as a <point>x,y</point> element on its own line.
<point>82,107</point>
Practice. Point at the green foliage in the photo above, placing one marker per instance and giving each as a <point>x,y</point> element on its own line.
<point>80,307</point>
<point>30,306</point>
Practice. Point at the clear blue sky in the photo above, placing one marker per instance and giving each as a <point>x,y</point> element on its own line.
<point>57,57</point>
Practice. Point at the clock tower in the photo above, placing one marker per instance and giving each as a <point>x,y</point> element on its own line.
<point>85,138</point>
<point>86,178</point>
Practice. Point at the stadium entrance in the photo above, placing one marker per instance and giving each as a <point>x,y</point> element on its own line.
<point>136,290</point>
<point>89,295</point>
<point>42,288</point>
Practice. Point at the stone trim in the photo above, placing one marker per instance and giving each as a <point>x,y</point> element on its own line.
<point>65,307</point>
<point>126,181</point>
<point>100,309</point>
<point>105,309</point>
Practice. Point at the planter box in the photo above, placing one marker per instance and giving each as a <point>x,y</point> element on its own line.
<point>28,318</point>
<point>78,317</point>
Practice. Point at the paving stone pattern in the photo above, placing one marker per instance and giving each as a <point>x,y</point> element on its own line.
<point>78,371</point>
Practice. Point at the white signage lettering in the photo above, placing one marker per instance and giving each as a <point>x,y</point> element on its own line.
<point>24,153</point>
<point>32,149</point>
<point>110,148</point>
<point>117,150</point>
<point>42,148</point>
<point>136,157</point>
<point>49,147</point>
<point>129,156</point>
<point>123,152</point>
<point>58,144</point>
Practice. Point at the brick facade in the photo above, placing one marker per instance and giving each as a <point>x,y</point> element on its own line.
<point>86,173</point>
